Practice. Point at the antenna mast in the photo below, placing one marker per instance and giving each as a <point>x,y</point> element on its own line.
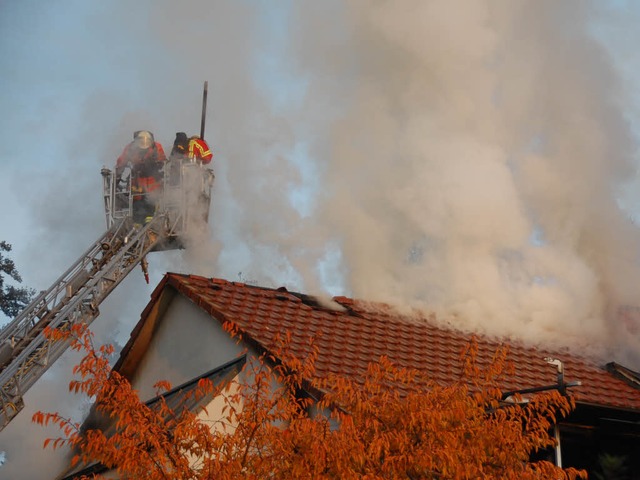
<point>204,109</point>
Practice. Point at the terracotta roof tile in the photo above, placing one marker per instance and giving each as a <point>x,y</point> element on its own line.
<point>349,340</point>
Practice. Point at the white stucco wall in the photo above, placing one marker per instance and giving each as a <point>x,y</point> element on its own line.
<point>187,343</point>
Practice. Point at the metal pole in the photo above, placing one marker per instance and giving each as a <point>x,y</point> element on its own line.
<point>204,109</point>
<point>556,433</point>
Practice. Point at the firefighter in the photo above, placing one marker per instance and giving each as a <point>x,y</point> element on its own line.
<point>142,160</point>
<point>180,148</point>
<point>179,153</point>
<point>199,150</point>
<point>191,149</point>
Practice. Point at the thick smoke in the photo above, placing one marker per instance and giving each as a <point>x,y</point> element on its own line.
<point>475,166</point>
<point>463,158</point>
<point>468,160</point>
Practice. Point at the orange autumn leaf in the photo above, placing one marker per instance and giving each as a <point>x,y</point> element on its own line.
<point>383,425</point>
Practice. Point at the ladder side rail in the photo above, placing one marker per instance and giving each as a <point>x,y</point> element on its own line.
<point>56,297</point>
<point>208,179</point>
<point>117,196</point>
<point>46,298</point>
<point>190,181</point>
<point>19,341</point>
<point>188,187</point>
<point>121,196</point>
<point>49,299</point>
<point>121,264</point>
<point>172,204</point>
<point>108,191</point>
<point>82,312</point>
<point>31,364</point>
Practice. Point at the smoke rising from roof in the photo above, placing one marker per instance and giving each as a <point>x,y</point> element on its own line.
<point>474,165</point>
<point>460,159</point>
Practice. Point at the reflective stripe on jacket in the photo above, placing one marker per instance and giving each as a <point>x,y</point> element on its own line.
<point>199,150</point>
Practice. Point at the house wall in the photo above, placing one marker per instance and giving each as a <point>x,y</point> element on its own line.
<point>187,343</point>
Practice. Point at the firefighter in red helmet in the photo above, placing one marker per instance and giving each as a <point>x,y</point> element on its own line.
<point>143,159</point>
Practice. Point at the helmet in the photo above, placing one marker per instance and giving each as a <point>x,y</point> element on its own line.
<point>181,143</point>
<point>143,139</point>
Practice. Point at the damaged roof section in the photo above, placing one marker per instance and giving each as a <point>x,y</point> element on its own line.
<point>629,376</point>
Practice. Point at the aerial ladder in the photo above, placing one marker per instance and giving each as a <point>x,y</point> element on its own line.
<point>74,298</point>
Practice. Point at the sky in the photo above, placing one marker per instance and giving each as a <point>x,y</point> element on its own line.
<point>475,159</point>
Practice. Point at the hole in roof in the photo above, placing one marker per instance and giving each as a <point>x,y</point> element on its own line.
<point>623,373</point>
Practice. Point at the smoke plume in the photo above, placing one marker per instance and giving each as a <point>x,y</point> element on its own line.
<point>476,159</point>
<point>474,165</point>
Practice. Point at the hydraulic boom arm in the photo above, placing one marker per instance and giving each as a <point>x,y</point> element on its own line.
<point>25,353</point>
<point>181,204</point>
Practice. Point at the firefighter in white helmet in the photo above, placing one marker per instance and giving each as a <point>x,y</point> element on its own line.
<point>145,157</point>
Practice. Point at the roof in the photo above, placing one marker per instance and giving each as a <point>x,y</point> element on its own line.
<point>357,333</point>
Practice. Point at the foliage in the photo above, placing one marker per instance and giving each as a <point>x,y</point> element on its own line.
<point>12,299</point>
<point>612,467</point>
<point>383,426</point>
